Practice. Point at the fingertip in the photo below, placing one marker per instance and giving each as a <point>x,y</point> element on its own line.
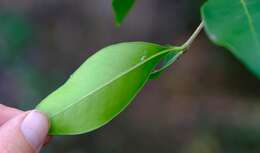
<point>35,128</point>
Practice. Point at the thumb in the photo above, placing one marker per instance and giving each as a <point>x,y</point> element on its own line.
<point>24,133</point>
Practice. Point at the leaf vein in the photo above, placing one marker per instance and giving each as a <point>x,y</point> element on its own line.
<point>112,80</point>
<point>250,21</point>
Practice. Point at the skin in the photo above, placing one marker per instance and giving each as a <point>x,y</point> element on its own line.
<point>22,132</point>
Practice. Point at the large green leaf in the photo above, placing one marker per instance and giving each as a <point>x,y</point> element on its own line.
<point>235,24</point>
<point>102,87</point>
<point>121,9</point>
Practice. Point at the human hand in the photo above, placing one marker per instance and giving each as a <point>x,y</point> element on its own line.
<point>22,132</point>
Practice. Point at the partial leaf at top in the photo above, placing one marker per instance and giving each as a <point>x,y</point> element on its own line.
<point>101,87</point>
<point>235,24</point>
<point>121,9</point>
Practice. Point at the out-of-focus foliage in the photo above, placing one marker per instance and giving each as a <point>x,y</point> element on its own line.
<point>121,9</point>
<point>15,33</point>
<point>235,24</point>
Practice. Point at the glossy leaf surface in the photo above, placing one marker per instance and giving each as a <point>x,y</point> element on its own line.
<point>235,24</point>
<point>102,87</point>
<point>121,9</point>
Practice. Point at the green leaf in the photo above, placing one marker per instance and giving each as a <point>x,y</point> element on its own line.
<point>121,9</point>
<point>168,60</point>
<point>235,24</point>
<point>102,87</point>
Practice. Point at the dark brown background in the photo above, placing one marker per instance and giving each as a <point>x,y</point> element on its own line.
<point>207,102</point>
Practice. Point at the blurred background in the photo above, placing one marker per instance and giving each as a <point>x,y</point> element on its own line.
<point>207,102</point>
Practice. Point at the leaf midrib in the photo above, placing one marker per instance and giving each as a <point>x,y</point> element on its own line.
<point>112,80</point>
<point>250,22</point>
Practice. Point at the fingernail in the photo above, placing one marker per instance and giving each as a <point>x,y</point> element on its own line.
<point>35,129</point>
